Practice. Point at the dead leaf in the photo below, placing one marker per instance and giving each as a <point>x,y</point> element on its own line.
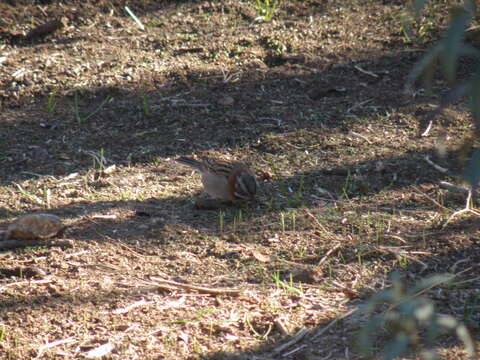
<point>260,257</point>
<point>99,351</point>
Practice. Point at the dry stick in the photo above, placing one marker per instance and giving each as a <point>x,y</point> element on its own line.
<point>360,136</point>
<point>299,336</point>
<point>191,105</point>
<point>329,252</point>
<point>450,187</point>
<point>313,217</point>
<point>321,331</point>
<point>173,285</point>
<point>429,198</point>
<point>294,350</point>
<point>12,244</point>
<point>400,252</point>
<point>397,237</point>
<point>137,20</point>
<point>56,343</point>
<point>437,167</point>
<point>27,282</point>
<point>366,72</point>
<point>281,326</point>
<point>427,130</point>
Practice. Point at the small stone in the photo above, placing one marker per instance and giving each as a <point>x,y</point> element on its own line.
<point>35,226</point>
<point>225,100</point>
<point>207,204</point>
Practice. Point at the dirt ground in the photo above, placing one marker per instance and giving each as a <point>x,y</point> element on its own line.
<point>93,116</point>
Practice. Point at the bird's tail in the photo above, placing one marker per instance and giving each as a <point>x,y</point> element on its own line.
<point>190,162</point>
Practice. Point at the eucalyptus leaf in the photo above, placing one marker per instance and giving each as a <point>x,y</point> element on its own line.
<point>475,99</point>
<point>418,6</point>
<point>453,42</point>
<point>426,63</point>
<point>430,282</point>
<point>471,172</point>
<point>397,347</point>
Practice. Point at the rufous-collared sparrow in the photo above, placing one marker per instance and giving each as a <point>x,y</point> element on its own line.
<point>224,180</point>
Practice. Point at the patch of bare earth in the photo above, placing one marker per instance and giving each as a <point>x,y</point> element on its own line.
<point>93,116</point>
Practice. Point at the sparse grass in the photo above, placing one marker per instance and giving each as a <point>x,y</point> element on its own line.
<point>147,110</point>
<point>286,286</point>
<point>407,314</point>
<point>83,119</point>
<point>51,102</point>
<point>266,9</point>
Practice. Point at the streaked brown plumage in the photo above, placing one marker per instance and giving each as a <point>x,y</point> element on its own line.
<point>224,180</point>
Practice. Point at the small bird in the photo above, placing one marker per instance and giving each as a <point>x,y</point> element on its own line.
<point>224,180</point>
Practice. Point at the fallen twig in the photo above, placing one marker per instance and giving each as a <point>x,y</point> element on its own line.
<point>366,72</point>
<point>437,167</point>
<point>315,220</point>
<point>27,282</point>
<point>281,327</point>
<point>190,105</point>
<point>450,187</point>
<point>329,252</point>
<point>299,336</point>
<point>427,130</point>
<point>321,331</point>
<point>137,20</point>
<point>429,198</point>
<point>173,285</point>
<point>303,346</point>
<point>13,244</point>
<point>360,136</point>
<point>56,343</point>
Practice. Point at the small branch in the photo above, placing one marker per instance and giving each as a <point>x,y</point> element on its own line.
<point>437,167</point>
<point>360,136</point>
<point>366,72</point>
<point>329,252</point>
<point>173,285</point>
<point>13,244</point>
<point>321,331</point>
<point>427,130</point>
<point>315,220</point>
<point>28,282</point>
<point>281,327</point>
<point>56,343</point>
<point>450,187</point>
<point>299,336</point>
<point>301,347</point>
<point>190,105</point>
<point>429,198</point>
<point>132,15</point>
